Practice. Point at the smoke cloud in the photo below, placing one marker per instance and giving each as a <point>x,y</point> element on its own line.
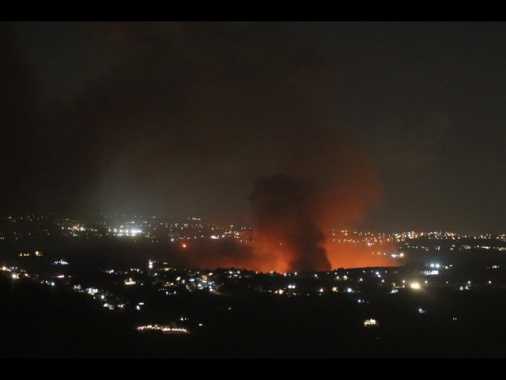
<point>285,226</point>
<point>235,122</point>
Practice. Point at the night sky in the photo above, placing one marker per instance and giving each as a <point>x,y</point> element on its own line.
<point>400,125</point>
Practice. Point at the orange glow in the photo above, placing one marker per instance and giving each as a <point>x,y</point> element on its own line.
<point>343,255</point>
<point>332,184</point>
<point>271,256</point>
<point>286,229</point>
<point>184,245</point>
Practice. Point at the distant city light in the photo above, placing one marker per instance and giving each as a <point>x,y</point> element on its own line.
<point>371,323</point>
<point>163,328</point>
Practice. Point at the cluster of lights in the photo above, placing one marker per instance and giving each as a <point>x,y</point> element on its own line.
<point>126,231</point>
<point>163,328</point>
<point>371,323</point>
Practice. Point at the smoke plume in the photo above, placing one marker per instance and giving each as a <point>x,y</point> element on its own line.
<point>194,119</point>
<point>285,226</point>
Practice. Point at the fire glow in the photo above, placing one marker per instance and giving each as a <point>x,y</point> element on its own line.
<point>292,218</point>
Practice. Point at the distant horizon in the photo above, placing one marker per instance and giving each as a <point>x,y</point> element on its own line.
<point>210,220</point>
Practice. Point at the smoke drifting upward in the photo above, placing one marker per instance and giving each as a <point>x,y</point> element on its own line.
<point>284,216</point>
<point>179,119</point>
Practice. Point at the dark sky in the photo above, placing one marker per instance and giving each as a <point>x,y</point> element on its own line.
<point>180,119</point>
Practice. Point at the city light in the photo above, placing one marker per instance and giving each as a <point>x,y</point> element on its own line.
<point>369,285</point>
<point>371,323</point>
<point>163,328</point>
